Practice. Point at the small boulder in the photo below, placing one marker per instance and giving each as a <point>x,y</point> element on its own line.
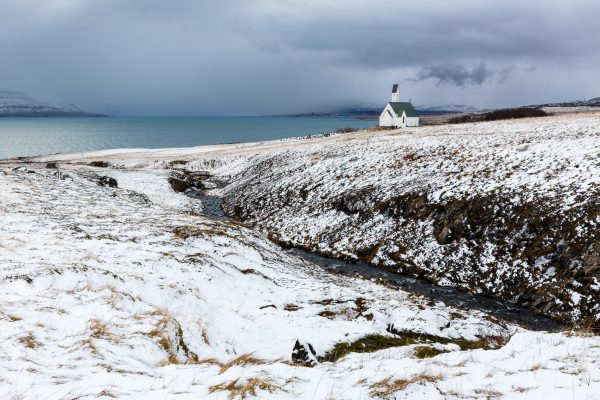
<point>107,181</point>
<point>52,165</point>
<point>303,353</point>
<point>179,184</point>
<point>99,164</point>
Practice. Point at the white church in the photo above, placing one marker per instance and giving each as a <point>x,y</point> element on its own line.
<point>398,114</point>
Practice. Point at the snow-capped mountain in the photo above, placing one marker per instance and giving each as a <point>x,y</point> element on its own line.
<point>18,104</point>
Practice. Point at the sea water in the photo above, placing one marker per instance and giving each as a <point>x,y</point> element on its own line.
<point>39,136</point>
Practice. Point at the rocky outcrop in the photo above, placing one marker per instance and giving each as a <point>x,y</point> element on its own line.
<point>304,354</point>
<point>108,181</point>
<point>99,164</point>
<point>182,181</point>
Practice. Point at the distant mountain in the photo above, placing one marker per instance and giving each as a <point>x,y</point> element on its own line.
<point>595,102</point>
<point>446,109</point>
<point>17,104</point>
<point>371,111</point>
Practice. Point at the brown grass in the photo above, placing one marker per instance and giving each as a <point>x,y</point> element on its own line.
<point>584,329</point>
<point>176,344</point>
<point>98,328</point>
<point>205,337</point>
<point>246,388</point>
<point>29,341</point>
<point>243,360</point>
<point>407,159</point>
<point>522,389</point>
<point>386,388</point>
<point>488,393</point>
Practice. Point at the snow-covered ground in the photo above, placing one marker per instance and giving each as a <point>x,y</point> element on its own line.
<point>131,292</point>
<point>510,208</point>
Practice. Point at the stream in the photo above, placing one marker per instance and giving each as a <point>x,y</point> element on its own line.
<point>449,295</point>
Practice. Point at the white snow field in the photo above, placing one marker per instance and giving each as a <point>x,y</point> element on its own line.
<point>133,293</point>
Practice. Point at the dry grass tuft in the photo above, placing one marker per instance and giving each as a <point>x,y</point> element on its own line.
<point>291,307</point>
<point>169,336</point>
<point>98,328</point>
<point>386,388</point>
<point>488,393</point>
<point>522,389</point>
<point>584,329</point>
<point>243,360</point>
<point>29,341</point>
<point>90,343</point>
<point>247,387</point>
<point>205,337</point>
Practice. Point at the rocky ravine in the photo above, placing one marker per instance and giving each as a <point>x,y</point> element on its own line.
<point>509,209</point>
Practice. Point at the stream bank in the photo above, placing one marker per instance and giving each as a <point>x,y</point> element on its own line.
<point>512,313</point>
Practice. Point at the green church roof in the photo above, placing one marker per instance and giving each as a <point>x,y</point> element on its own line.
<point>405,106</point>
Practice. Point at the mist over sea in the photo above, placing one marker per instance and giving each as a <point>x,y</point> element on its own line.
<point>21,137</point>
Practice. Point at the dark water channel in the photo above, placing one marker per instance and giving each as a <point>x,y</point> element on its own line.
<point>449,295</point>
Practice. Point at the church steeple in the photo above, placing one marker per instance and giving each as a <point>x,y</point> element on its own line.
<point>395,93</point>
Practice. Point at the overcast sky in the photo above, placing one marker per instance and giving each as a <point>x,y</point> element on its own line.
<point>195,57</point>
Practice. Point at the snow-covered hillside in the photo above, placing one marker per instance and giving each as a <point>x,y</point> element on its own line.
<point>132,292</point>
<point>19,104</point>
<point>509,209</point>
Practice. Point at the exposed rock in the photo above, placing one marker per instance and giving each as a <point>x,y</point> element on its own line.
<point>180,182</point>
<point>52,165</point>
<point>199,175</point>
<point>99,164</point>
<point>107,181</point>
<point>303,353</point>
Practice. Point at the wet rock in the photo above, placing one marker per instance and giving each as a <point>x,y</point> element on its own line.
<point>181,182</point>
<point>178,184</point>
<point>107,181</point>
<point>303,353</point>
<point>99,164</point>
<point>52,165</point>
<point>199,175</point>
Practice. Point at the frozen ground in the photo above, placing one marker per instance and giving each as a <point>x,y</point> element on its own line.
<point>131,292</point>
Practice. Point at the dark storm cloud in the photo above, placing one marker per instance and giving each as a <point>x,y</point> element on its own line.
<point>460,76</point>
<point>273,56</point>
